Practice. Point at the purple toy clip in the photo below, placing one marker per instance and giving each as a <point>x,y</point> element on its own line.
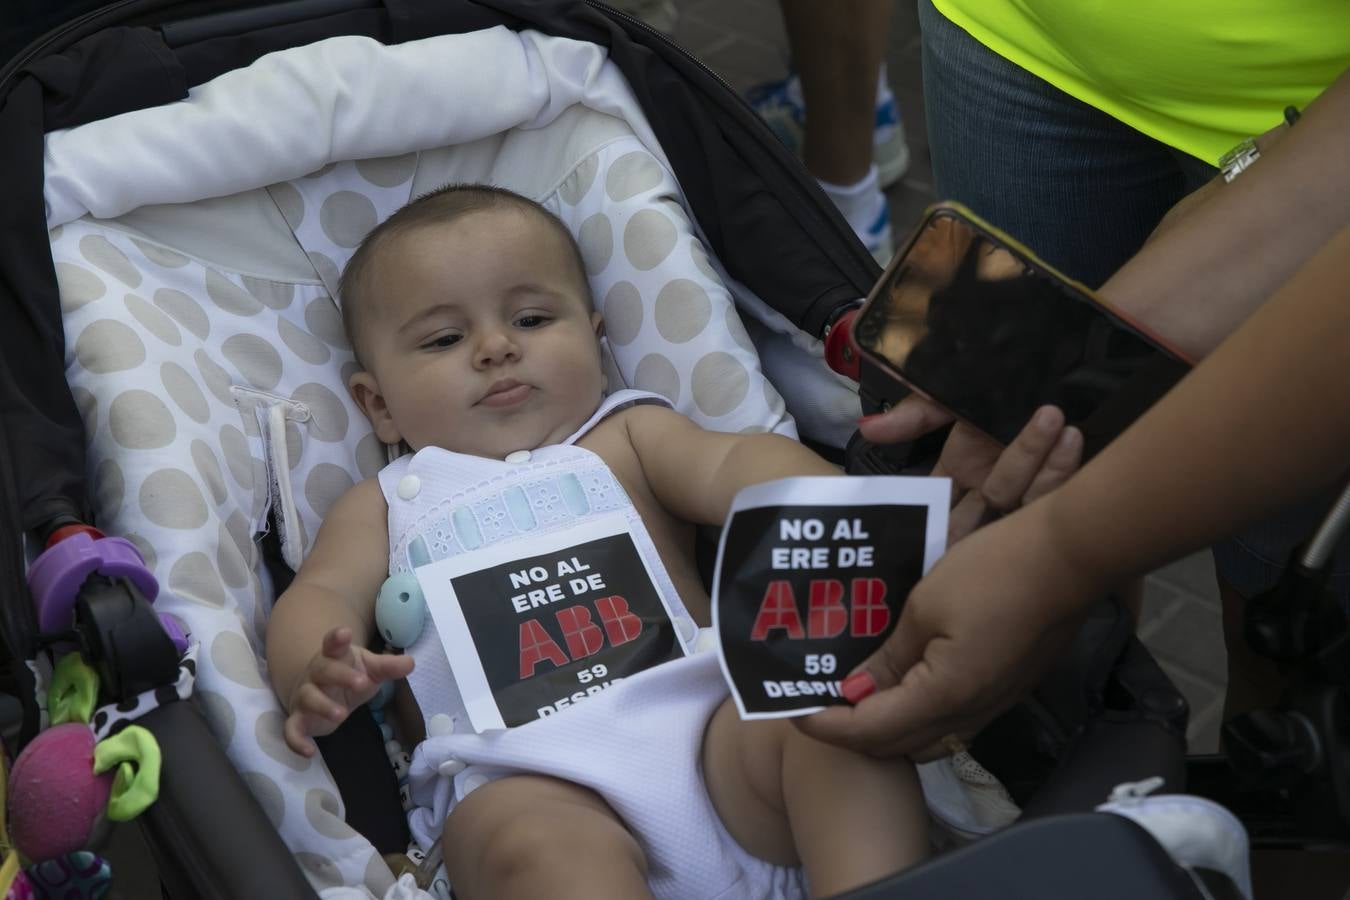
<point>56,576</point>
<point>175,632</point>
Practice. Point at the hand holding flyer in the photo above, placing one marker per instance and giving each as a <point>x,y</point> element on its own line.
<point>811,576</point>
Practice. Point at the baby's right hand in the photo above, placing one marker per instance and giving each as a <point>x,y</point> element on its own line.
<point>339,678</point>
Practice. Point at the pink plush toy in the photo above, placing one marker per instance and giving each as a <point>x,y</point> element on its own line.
<point>55,798</point>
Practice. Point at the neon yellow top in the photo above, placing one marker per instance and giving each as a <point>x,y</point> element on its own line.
<point>1198,75</point>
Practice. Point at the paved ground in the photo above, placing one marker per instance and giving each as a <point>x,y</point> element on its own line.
<point>745,43</point>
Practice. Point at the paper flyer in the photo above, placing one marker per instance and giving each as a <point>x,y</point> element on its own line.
<point>811,576</point>
<point>537,625</point>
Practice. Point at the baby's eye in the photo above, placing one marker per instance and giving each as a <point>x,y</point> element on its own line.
<point>532,321</point>
<point>442,341</point>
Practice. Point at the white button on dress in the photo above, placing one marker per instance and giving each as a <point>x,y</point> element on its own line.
<point>518,457</point>
<point>409,486</point>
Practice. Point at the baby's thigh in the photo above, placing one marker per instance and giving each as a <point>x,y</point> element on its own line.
<point>511,827</point>
<point>743,773</point>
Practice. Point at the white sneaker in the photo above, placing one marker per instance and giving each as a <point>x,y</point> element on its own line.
<point>890,150</point>
<point>878,239</point>
<point>1196,832</point>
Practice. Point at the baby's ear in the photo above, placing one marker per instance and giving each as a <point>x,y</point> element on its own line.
<point>365,390</point>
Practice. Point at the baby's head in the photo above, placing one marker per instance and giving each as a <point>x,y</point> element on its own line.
<point>471,317</point>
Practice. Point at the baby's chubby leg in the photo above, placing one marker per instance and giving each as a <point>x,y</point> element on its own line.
<point>529,836</point>
<point>786,798</point>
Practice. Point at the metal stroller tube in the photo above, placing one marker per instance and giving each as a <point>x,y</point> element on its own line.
<point>1298,751</point>
<point>1294,621</point>
<point>1320,547</point>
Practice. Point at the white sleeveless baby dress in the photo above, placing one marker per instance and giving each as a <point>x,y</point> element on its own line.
<point>637,743</point>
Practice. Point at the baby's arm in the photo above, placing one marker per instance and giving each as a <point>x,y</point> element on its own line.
<point>319,665</point>
<point>785,797</point>
<point>695,472</point>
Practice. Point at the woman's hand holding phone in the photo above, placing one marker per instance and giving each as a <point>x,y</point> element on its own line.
<point>987,479</point>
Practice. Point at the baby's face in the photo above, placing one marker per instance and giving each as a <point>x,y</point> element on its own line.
<point>479,337</point>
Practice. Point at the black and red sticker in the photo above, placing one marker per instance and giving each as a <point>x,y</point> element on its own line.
<point>533,626</point>
<point>811,576</point>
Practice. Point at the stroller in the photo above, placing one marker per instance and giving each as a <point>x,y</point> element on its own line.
<point>171,341</point>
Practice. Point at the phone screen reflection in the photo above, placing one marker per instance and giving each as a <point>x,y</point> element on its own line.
<point>991,337</point>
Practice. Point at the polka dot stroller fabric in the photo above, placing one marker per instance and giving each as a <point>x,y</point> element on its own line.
<point>204,342</point>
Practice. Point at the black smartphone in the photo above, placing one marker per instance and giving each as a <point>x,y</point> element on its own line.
<point>970,319</point>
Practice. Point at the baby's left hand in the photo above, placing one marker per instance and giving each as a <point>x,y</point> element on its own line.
<point>339,678</point>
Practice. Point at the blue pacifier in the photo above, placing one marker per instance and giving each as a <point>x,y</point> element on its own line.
<point>400,610</point>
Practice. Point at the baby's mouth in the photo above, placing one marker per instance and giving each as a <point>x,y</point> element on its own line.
<point>507,392</point>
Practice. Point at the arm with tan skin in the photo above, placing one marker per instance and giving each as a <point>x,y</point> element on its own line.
<point>1221,252</point>
<point>1262,422</point>
<point>695,473</point>
<point>316,638</point>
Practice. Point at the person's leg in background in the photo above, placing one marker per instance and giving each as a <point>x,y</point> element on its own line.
<point>836,110</point>
<point>838,48</point>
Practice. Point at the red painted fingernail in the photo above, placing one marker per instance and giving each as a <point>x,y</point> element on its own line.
<point>858,687</point>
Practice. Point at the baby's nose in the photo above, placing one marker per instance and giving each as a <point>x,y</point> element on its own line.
<point>495,347</point>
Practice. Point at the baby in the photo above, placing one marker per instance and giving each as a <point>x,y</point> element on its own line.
<point>471,316</point>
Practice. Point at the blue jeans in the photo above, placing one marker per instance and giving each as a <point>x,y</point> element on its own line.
<point>1083,191</point>
<point>1078,187</point>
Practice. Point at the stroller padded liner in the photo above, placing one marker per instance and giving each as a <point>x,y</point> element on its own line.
<point>197,247</point>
